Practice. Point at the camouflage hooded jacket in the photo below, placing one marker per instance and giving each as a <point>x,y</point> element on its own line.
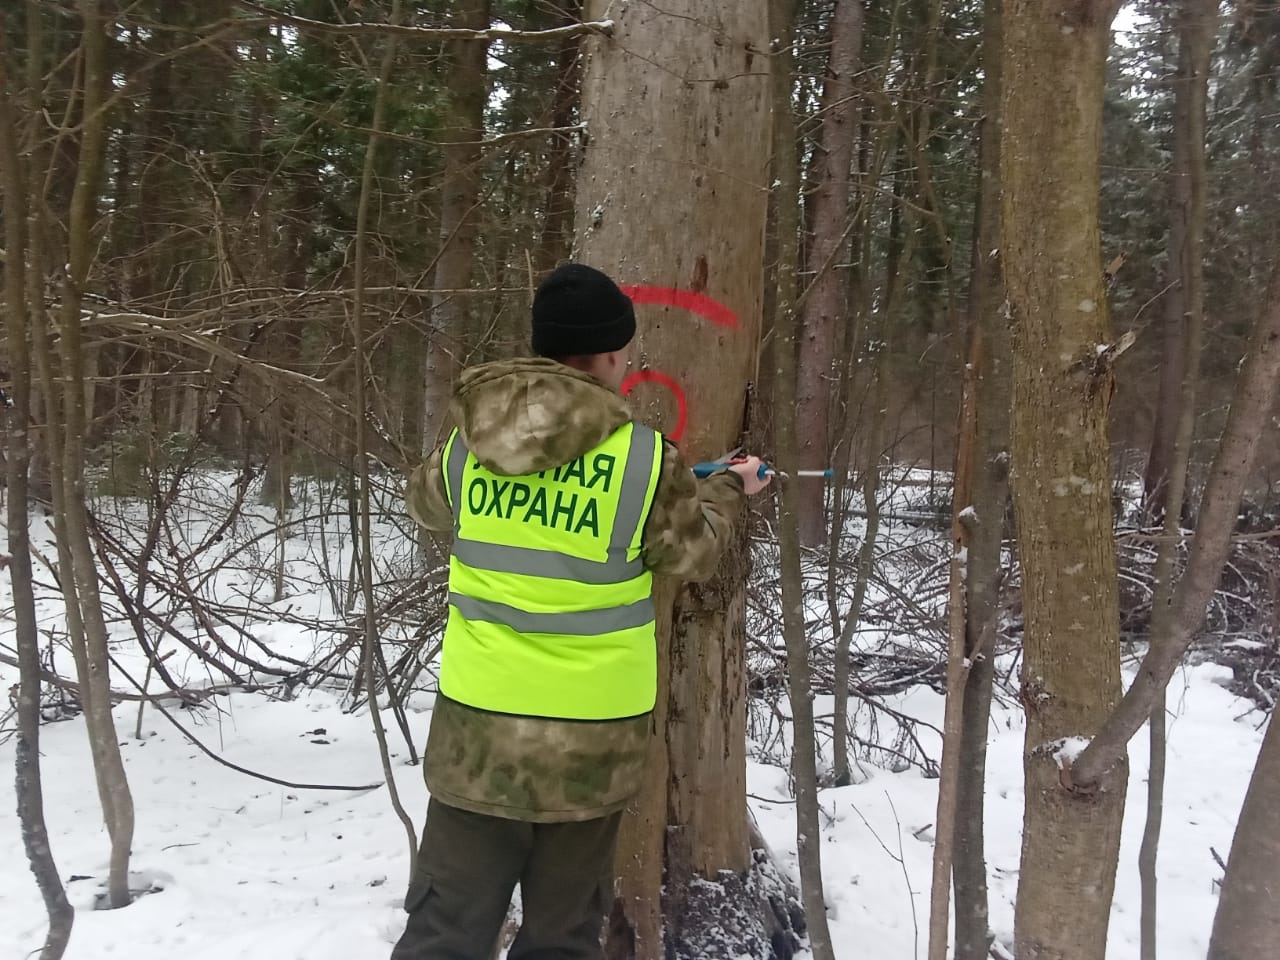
<point>520,417</point>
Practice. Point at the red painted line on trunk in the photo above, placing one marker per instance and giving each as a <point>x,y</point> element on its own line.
<point>702,305</point>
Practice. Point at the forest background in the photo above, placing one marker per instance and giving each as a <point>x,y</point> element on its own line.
<point>1012,281</point>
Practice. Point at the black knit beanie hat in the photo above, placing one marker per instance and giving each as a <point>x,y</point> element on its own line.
<point>577,310</point>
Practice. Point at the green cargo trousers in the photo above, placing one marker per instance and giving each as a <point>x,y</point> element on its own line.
<point>468,866</point>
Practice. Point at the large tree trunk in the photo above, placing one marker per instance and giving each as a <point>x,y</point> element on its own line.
<point>1054,68</point>
<point>824,307</point>
<point>459,200</point>
<point>990,355</point>
<point>672,193</point>
<point>1247,924</point>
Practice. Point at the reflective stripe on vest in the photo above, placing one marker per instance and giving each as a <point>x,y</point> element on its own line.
<point>550,604</point>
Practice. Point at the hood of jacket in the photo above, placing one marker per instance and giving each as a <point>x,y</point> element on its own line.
<point>527,415</point>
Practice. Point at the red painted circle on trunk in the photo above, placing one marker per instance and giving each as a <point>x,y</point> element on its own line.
<point>698,304</point>
<point>668,381</point>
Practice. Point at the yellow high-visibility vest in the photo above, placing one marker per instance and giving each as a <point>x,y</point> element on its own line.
<point>550,606</point>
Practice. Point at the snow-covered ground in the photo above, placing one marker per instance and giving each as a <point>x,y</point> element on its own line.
<point>253,870</point>
<point>243,868</point>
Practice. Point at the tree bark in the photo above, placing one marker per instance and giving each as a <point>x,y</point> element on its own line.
<point>990,359</point>
<point>1196,30</point>
<point>958,663</point>
<point>1173,359</point>
<point>459,200</point>
<point>842,770</point>
<point>790,515</point>
<point>557,208</point>
<point>870,436</point>
<point>1054,70</point>
<point>1246,425</point>
<point>672,193</point>
<point>1155,476</point>
<point>824,306</point>
<point>80,578</point>
<point>1247,923</point>
<point>370,638</point>
<point>28,784</point>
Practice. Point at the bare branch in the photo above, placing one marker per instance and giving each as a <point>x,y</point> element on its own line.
<point>357,30</point>
<point>195,741</point>
<point>186,696</point>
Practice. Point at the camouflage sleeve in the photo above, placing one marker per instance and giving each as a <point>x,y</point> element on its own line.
<point>691,520</point>
<point>425,496</point>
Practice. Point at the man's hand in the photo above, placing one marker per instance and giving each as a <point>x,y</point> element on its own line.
<point>749,470</point>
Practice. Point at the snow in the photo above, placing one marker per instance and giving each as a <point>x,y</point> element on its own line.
<point>1126,23</point>
<point>242,868</point>
<point>1068,750</point>
<point>877,871</point>
<point>249,869</point>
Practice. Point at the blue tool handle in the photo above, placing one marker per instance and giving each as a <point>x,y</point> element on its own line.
<point>707,469</point>
<point>701,470</point>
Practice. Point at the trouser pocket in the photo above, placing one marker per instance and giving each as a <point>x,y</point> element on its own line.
<point>419,890</point>
<point>458,897</point>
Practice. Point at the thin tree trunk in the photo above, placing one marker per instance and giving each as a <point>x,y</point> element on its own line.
<point>823,306</point>
<point>459,199</point>
<point>900,250</point>
<point>1054,71</point>
<point>557,208</point>
<point>990,366</point>
<point>870,486</point>
<point>1197,23</point>
<point>49,401</point>
<point>275,488</point>
<point>963,529</point>
<point>958,663</point>
<point>870,431</point>
<point>657,166</point>
<point>785,360</point>
<point>361,413</point>
<point>1155,476</point>
<point>83,573</point>
<point>28,784</point>
<point>1173,362</point>
<point>1246,425</point>
<point>971,617</point>
<point>1247,923</point>
<point>460,185</point>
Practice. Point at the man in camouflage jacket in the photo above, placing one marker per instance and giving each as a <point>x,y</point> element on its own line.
<point>537,799</point>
